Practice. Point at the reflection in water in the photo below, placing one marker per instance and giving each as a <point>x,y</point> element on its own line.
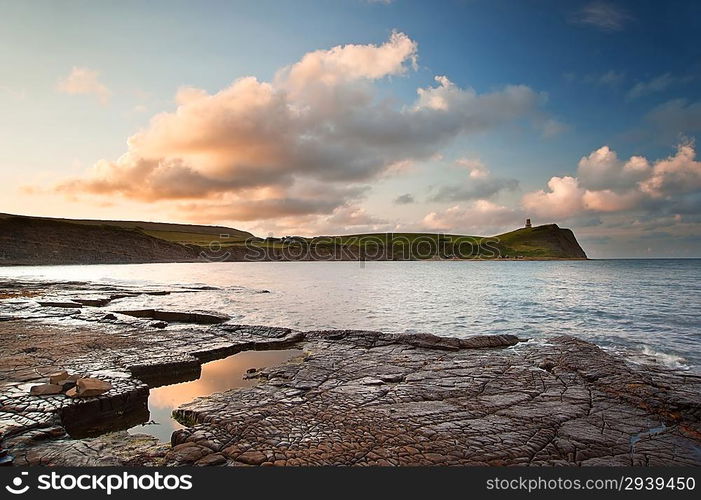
<point>217,376</point>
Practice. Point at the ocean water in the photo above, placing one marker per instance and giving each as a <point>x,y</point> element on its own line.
<point>645,309</point>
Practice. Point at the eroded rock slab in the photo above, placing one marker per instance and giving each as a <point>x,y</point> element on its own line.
<point>355,398</point>
<point>197,318</point>
<point>122,358</point>
<point>364,398</point>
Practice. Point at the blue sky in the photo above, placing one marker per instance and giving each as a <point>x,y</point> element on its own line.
<point>79,79</point>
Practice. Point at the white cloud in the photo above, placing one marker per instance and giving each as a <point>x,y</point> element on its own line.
<point>603,16</point>
<point>678,174</point>
<point>606,184</point>
<point>603,170</point>
<point>85,81</point>
<point>254,149</point>
<point>563,199</point>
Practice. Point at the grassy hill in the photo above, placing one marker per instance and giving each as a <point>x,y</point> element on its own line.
<point>43,240</point>
<point>187,234</point>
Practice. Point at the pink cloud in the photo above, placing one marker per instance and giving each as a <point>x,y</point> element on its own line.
<point>479,217</point>
<point>680,173</point>
<point>563,199</point>
<point>84,81</point>
<point>605,184</point>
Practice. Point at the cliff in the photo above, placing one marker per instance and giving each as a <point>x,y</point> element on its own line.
<point>548,241</point>
<point>38,241</point>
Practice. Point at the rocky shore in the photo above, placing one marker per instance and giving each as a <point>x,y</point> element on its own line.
<point>352,398</point>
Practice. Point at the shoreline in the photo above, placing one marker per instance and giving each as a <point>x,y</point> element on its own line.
<point>354,398</point>
<point>204,261</point>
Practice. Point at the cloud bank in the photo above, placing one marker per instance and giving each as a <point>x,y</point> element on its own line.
<point>606,184</point>
<point>306,143</point>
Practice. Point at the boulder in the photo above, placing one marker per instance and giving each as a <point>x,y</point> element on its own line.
<point>45,390</point>
<point>88,387</point>
<point>55,377</point>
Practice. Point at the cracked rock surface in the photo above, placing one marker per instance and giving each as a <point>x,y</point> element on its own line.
<point>355,398</point>
<point>362,398</point>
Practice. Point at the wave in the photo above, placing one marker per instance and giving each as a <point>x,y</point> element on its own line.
<point>669,360</point>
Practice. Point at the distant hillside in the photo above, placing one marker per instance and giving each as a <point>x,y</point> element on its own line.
<point>179,233</point>
<point>541,242</point>
<point>42,240</point>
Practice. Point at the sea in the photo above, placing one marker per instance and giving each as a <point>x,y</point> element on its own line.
<point>646,310</point>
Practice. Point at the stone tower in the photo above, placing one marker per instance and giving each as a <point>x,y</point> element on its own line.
<point>528,223</point>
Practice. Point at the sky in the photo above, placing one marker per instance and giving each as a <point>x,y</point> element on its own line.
<point>338,117</point>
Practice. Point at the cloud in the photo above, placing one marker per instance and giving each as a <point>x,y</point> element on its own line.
<point>84,81</point>
<point>266,203</point>
<point>603,16</point>
<point>610,78</point>
<point>345,219</point>
<point>603,170</point>
<point>675,118</point>
<point>550,127</point>
<point>405,199</point>
<point>319,123</point>
<point>480,184</point>
<point>349,217</point>
<point>258,209</point>
<point>678,174</point>
<point>656,84</point>
<point>477,169</point>
<point>605,184</point>
<point>479,217</point>
<point>563,199</point>
<point>475,189</point>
